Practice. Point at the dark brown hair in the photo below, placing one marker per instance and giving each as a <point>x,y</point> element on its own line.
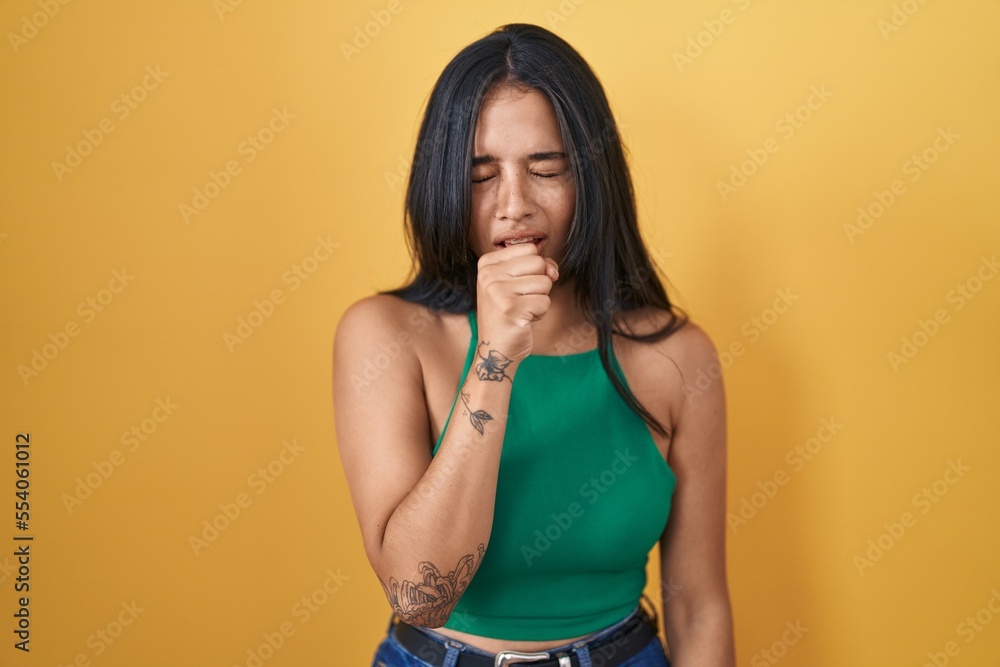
<point>605,253</point>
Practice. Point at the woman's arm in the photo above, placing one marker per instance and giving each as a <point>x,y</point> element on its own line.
<point>421,518</point>
<point>697,615</point>
<point>426,520</point>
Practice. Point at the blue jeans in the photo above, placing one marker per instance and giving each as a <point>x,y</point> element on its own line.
<point>391,654</point>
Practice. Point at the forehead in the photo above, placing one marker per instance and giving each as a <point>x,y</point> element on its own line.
<point>513,121</point>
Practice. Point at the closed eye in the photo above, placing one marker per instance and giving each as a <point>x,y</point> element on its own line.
<point>537,174</point>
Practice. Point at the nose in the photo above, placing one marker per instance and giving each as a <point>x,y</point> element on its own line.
<point>514,198</point>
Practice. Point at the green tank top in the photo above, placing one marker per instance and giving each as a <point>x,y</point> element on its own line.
<point>583,495</point>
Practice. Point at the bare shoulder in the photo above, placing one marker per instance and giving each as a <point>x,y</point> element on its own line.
<point>693,348</point>
<point>378,331</point>
<point>384,320</point>
<point>373,315</point>
<point>661,373</point>
<point>687,350</point>
<point>374,338</point>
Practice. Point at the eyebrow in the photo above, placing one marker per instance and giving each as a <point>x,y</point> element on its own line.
<point>534,157</point>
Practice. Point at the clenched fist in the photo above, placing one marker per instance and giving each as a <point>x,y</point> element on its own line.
<point>512,292</point>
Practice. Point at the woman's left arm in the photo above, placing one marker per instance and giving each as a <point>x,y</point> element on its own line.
<point>697,616</point>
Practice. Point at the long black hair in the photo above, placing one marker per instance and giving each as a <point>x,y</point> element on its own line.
<point>605,254</point>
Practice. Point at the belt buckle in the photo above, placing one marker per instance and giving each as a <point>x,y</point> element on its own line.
<point>510,657</point>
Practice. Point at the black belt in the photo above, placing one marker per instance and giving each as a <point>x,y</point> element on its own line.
<point>616,648</point>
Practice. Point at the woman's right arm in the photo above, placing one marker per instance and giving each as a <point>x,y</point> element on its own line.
<point>426,521</point>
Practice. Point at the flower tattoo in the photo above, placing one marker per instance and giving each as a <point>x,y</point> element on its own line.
<point>431,595</point>
<point>492,367</point>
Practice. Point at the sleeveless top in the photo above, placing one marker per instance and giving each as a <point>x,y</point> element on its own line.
<point>583,494</point>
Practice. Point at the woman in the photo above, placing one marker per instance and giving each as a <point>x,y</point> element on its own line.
<point>508,510</point>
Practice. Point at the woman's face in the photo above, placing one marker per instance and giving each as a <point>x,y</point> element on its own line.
<point>522,185</point>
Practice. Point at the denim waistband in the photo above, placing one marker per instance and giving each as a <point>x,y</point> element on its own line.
<point>597,635</point>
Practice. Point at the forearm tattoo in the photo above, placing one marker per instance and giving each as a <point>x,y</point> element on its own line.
<point>477,417</point>
<point>492,367</point>
<point>430,597</point>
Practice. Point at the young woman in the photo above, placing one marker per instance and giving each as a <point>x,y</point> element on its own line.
<point>517,424</point>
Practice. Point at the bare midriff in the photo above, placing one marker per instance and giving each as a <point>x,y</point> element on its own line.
<point>492,645</point>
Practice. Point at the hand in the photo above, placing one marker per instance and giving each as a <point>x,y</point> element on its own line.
<point>512,292</point>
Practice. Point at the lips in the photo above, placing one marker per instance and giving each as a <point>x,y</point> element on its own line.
<point>508,239</point>
<point>521,240</point>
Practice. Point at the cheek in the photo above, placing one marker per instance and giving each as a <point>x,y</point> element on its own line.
<point>560,203</point>
<point>479,226</point>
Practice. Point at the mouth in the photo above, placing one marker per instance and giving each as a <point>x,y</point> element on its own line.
<point>537,240</point>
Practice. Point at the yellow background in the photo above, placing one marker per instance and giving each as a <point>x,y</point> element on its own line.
<point>329,176</point>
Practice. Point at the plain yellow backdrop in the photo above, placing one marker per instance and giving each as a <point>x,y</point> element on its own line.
<point>193,192</point>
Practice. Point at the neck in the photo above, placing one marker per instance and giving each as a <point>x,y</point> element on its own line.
<point>563,329</point>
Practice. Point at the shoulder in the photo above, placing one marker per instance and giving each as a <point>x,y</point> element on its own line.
<point>387,324</point>
<point>692,346</point>
<point>384,316</point>
<point>689,345</point>
<point>683,360</point>
<point>373,311</point>
<point>372,342</point>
